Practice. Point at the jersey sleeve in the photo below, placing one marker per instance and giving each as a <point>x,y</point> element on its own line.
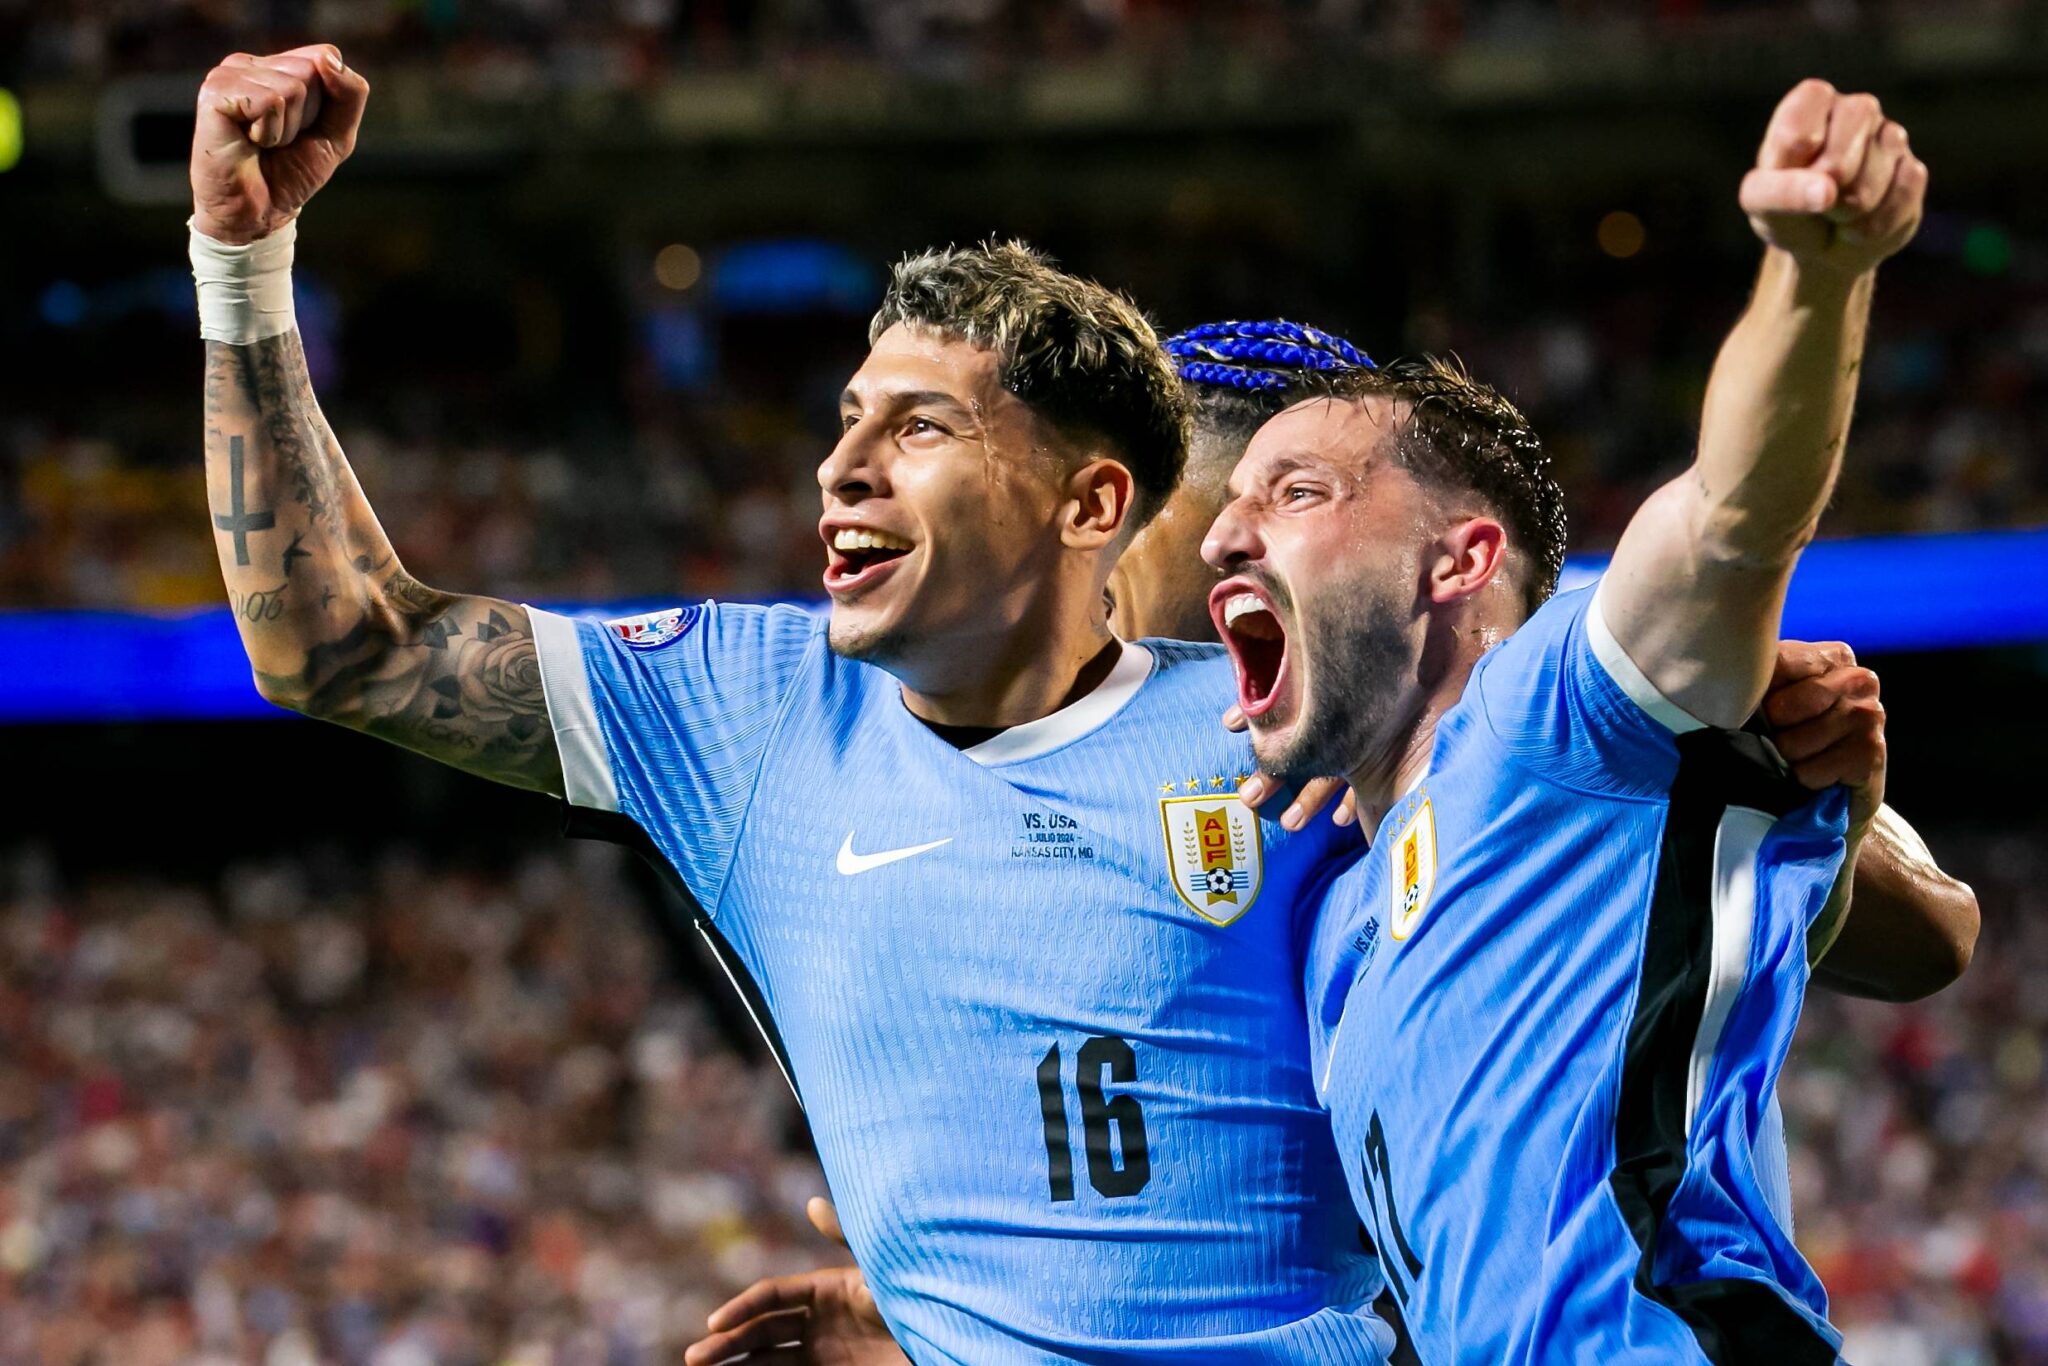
<point>1567,702</point>
<point>666,719</point>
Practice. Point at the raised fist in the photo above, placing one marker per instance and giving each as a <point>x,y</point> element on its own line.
<point>1835,184</point>
<point>270,132</point>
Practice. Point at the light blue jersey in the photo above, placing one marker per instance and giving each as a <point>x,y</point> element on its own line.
<point>1041,998</point>
<point>1550,1008</point>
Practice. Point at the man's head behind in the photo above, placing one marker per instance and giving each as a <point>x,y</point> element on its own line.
<point>1011,426</point>
<point>1377,538</point>
<point>1238,375</point>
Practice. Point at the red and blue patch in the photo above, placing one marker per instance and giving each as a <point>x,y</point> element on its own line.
<point>654,629</point>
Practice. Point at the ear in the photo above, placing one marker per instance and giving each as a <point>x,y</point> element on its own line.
<point>1470,555</point>
<point>1098,505</point>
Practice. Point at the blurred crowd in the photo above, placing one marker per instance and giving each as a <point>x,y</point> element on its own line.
<point>423,1115</point>
<point>1920,1142</point>
<point>414,1116</point>
<point>503,44</point>
<point>711,491</point>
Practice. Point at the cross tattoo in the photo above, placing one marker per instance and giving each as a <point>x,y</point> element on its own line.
<point>239,519</point>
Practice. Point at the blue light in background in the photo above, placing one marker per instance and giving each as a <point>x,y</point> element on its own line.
<point>64,304</point>
<point>1879,594</point>
<point>792,275</point>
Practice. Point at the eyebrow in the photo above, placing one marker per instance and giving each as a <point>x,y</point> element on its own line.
<point>912,398</point>
<point>1281,465</point>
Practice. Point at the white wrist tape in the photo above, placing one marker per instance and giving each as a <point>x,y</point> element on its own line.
<point>245,293</point>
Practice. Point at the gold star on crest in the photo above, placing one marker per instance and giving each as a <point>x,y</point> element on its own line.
<point>1194,784</point>
<point>1167,787</point>
<point>1216,781</point>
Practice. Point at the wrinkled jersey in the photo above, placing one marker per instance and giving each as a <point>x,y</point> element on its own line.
<point>1040,998</point>
<point>1550,1009</point>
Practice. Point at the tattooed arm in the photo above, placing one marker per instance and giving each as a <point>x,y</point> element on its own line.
<point>333,624</point>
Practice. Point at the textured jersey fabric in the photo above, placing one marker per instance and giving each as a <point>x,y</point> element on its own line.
<point>1041,998</point>
<point>1550,1008</point>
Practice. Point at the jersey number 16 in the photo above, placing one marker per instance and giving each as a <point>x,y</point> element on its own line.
<point>1110,1125</point>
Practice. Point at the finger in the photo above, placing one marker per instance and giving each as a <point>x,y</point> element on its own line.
<point>774,1295</point>
<point>1852,126</point>
<point>1799,659</point>
<point>1315,794</point>
<point>242,102</point>
<point>1257,790</point>
<point>272,102</point>
<point>304,73</point>
<point>1798,128</point>
<point>290,90</point>
<point>1899,215</point>
<point>1850,725</point>
<point>1874,181</point>
<point>1842,766</point>
<point>319,54</point>
<point>1797,704</point>
<point>1347,810</point>
<point>763,1334</point>
<point>348,92</point>
<point>1842,731</point>
<point>1233,718</point>
<point>1843,693</point>
<point>824,1217</point>
<point>1793,193</point>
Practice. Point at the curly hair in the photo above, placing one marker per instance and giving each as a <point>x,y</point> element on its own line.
<point>1080,355</point>
<point>1460,434</point>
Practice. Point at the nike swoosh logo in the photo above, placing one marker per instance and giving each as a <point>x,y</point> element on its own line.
<point>851,863</point>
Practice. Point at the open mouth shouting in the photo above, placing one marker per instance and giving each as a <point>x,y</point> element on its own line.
<point>859,557</point>
<point>1250,628</point>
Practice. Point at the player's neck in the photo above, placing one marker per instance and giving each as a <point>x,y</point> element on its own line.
<point>1029,672</point>
<point>1399,759</point>
<point>1396,762</point>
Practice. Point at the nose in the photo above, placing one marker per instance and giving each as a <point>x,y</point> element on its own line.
<point>1233,540</point>
<point>854,469</point>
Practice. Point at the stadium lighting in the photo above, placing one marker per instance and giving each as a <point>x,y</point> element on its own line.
<point>677,266</point>
<point>1621,234</point>
<point>10,129</point>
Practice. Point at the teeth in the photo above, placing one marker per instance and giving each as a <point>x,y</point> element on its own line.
<point>1243,604</point>
<point>853,538</point>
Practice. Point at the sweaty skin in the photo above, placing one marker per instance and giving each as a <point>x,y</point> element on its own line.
<point>1913,932</point>
<point>1915,926</point>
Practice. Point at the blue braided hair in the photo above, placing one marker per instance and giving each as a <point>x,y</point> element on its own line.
<point>1241,373</point>
<point>1270,355</point>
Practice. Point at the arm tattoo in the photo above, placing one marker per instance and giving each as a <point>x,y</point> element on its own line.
<point>456,678</point>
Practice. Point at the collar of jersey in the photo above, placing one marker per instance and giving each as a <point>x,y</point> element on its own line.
<point>1078,718</point>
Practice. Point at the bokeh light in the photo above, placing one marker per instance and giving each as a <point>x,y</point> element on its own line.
<point>677,266</point>
<point>1621,234</point>
<point>10,129</point>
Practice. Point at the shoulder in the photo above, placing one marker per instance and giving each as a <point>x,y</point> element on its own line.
<point>710,625</point>
<point>1544,635</point>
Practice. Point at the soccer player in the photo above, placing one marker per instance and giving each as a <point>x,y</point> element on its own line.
<point>1912,926</point>
<point>1033,968</point>
<point>1551,1004</point>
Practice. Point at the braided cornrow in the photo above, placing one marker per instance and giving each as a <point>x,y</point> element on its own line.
<point>1242,372</point>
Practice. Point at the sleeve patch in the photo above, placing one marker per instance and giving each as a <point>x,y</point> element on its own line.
<point>653,630</point>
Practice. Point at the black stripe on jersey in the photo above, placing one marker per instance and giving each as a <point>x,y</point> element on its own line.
<point>615,827</point>
<point>1736,1321</point>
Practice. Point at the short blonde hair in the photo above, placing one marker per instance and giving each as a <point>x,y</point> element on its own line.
<point>1080,355</point>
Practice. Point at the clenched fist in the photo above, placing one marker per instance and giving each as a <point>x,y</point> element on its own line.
<point>270,132</point>
<point>1835,184</point>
